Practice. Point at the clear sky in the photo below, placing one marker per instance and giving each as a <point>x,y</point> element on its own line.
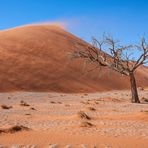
<point>125,19</point>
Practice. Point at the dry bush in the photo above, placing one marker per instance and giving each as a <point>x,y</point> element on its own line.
<point>86,124</point>
<point>23,103</point>
<point>144,111</point>
<point>32,108</point>
<point>17,128</point>
<point>91,108</point>
<point>14,129</point>
<point>145,99</point>
<point>52,102</point>
<point>5,107</point>
<point>27,114</point>
<point>2,131</point>
<point>83,115</point>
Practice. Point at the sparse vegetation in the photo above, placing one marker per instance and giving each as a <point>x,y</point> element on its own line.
<point>1,131</point>
<point>86,124</point>
<point>83,115</point>
<point>145,111</point>
<point>17,128</point>
<point>23,103</point>
<point>28,114</point>
<point>5,107</point>
<point>52,102</point>
<point>14,129</point>
<point>32,108</point>
<point>91,108</point>
<point>9,98</point>
<point>145,99</point>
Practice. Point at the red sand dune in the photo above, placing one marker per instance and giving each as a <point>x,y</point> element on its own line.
<point>35,58</point>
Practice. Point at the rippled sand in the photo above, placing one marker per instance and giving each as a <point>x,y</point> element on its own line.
<point>53,119</point>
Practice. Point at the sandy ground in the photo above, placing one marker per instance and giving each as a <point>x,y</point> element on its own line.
<point>54,121</point>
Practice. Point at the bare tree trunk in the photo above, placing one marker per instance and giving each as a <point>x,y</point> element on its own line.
<point>135,98</point>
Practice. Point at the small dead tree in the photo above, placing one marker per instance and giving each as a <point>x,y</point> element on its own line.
<point>110,53</point>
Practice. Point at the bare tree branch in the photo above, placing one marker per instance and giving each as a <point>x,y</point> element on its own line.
<point>118,59</point>
<point>144,56</point>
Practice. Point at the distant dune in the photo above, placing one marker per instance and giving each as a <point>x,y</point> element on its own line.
<point>35,58</point>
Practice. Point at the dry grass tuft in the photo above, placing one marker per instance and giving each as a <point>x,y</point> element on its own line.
<point>32,108</point>
<point>9,98</point>
<point>5,107</point>
<point>52,102</point>
<point>2,131</point>
<point>145,99</point>
<point>17,128</point>
<point>86,124</point>
<point>14,129</point>
<point>28,114</point>
<point>91,109</point>
<point>83,115</point>
<point>145,111</point>
<point>23,103</point>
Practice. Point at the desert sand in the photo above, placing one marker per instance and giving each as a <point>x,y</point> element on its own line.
<point>37,58</point>
<point>56,120</point>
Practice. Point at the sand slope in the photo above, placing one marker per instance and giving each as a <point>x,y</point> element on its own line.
<point>35,58</point>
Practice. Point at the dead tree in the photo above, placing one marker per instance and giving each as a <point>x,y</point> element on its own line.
<point>110,53</point>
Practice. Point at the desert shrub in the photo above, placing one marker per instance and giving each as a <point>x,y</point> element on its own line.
<point>52,102</point>
<point>32,108</point>
<point>5,107</point>
<point>145,99</point>
<point>23,103</point>
<point>83,115</point>
<point>17,128</point>
<point>86,124</point>
<point>14,129</point>
<point>91,108</point>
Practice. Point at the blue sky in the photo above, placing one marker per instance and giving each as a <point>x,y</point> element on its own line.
<point>127,20</point>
